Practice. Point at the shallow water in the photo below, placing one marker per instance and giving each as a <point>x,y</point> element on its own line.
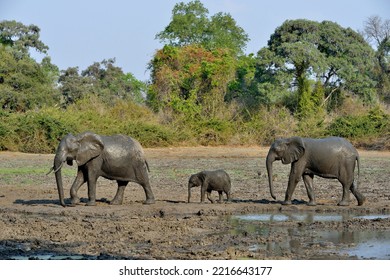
<point>306,217</point>
<point>362,244</point>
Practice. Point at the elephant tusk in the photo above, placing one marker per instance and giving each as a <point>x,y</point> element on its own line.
<point>51,169</point>
<point>55,171</point>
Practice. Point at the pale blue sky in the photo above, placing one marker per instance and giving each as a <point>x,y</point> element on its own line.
<point>81,32</point>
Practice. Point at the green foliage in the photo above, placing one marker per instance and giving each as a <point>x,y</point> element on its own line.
<point>190,25</point>
<point>33,131</point>
<point>266,125</point>
<point>313,79</point>
<point>338,57</point>
<point>24,83</point>
<point>190,80</point>
<point>102,79</point>
<point>213,131</point>
<point>21,37</point>
<point>375,123</point>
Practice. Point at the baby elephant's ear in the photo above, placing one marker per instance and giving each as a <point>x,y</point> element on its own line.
<point>294,150</point>
<point>91,146</point>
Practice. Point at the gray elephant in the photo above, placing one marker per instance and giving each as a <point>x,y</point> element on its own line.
<point>116,157</point>
<point>216,180</point>
<point>331,157</point>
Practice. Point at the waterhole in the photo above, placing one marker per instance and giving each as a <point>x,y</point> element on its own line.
<point>288,233</point>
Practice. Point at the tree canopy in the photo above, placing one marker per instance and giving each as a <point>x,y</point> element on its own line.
<point>320,51</point>
<point>377,31</point>
<point>21,37</point>
<point>191,24</point>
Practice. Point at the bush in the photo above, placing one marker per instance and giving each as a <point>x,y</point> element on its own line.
<point>374,123</point>
<point>149,135</point>
<point>267,125</point>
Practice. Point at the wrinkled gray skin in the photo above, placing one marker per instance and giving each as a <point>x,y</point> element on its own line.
<point>331,157</point>
<point>115,157</point>
<point>217,180</point>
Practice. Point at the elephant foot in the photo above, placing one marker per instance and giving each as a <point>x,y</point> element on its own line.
<point>74,201</point>
<point>91,203</point>
<point>311,203</point>
<point>115,202</point>
<point>286,202</point>
<point>361,200</point>
<point>150,201</point>
<point>343,203</point>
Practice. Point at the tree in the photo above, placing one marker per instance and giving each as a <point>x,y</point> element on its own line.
<point>190,24</point>
<point>377,31</point>
<point>21,37</point>
<point>102,79</point>
<point>302,49</point>
<point>190,80</point>
<point>24,83</point>
<point>73,87</point>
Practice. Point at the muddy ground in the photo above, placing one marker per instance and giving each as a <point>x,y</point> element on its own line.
<point>34,226</point>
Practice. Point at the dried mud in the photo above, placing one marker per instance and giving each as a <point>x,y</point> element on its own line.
<point>34,226</point>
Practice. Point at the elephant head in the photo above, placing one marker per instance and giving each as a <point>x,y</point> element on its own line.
<point>287,150</point>
<point>81,148</point>
<point>195,181</point>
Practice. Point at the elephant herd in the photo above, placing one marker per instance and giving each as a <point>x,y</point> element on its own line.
<point>121,158</point>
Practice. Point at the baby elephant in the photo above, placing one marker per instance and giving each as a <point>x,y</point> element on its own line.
<point>217,180</point>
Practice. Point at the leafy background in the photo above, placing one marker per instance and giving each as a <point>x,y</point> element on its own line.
<point>313,79</point>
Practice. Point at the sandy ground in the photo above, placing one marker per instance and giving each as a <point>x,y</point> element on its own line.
<point>253,226</point>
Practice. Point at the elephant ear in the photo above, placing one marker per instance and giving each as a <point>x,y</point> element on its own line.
<point>91,146</point>
<point>295,148</point>
<point>202,176</point>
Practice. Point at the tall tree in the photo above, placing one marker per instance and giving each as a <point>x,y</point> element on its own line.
<point>191,24</point>
<point>377,31</point>
<point>21,37</point>
<point>24,83</point>
<point>102,79</point>
<point>302,49</point>
<point>190,80</point>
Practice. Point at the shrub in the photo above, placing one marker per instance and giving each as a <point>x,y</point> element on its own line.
<point>374,123</point>
<point>149,135</point>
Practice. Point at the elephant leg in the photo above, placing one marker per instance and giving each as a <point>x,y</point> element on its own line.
<point>293,180</point>
<point>209,196</point>
<point>91,189</point>
<point>203,189</point>
<point>118,199</point>
<point>77,183</point>
<point>308,180</point>
<point>360,198</point>
<point>220,199</point>
<point>347,184</point>
<point>228,196</point>
<point>148,192</point>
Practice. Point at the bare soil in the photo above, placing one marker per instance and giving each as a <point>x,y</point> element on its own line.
<point>33,225</point>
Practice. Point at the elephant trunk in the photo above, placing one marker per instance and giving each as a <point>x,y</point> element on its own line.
<point>189,193</point>
<point>58,162</point>
<point>270,159</point>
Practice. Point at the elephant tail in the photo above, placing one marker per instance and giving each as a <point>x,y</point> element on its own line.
<point>147,165</point>
<point>358,174</point>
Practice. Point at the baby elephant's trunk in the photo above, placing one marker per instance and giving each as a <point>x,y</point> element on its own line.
<point>189,193</point>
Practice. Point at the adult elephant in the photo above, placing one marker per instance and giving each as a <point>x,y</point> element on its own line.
<point>116,157</point>
<point>331,157</point>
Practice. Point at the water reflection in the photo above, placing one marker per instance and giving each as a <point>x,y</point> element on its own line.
<point>306,217</point>
<point>363,244</point>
